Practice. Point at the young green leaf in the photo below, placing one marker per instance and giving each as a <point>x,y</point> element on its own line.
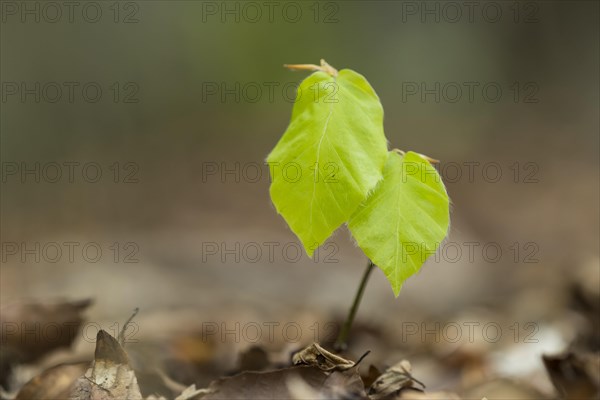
<point>330,157</point>
<point>405,218</point>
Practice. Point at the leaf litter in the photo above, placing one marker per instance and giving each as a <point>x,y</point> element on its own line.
<point>311,372</point>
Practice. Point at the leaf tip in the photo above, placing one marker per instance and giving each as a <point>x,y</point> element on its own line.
<point>310,250</point>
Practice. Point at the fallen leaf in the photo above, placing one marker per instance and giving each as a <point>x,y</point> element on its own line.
<point>254,359</point>
<point>318,356</point>
<point>415,394</point>
<point>339,385</point>
<point>575,375</point>
<point>503,388</point>
<point>191,393</point>
<point>392,381</point>
<point>371,376</point>
<point>54,383</point>
<point>32,330</point>
<point>283,384</point>
<point>344,385</point>
<point>110,377</point>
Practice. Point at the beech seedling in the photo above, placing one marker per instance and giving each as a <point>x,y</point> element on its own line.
<point>393,202</point>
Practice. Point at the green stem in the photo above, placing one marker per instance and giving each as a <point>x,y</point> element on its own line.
<point>340,343</point>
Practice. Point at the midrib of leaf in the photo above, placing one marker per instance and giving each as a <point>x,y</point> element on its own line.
<point>312,200</point>
<point>397,270</point>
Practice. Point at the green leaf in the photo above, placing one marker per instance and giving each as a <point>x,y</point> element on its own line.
<point>405,219</point>
<point>330,157</point>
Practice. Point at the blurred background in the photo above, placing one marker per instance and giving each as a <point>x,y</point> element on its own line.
<point>133,140</point>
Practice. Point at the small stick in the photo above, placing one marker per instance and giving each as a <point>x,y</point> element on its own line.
<point>122,333</point>
<point>325,67</point>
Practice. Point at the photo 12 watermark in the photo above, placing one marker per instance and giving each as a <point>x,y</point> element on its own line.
<point>69,252</point>
<point>35,333</point>
<point>268,331</point>
<point>269,92</point>
<point>453,12</point>
<point>253,12</point>
<point>70,92</point>
<point>70,172</point>
<point>470,92</point>
<point>520,172</point>
<point>471,252</point>
<point>468,332</point>
<point>70,12</point>
<point>266,252</point>
<point>253,172</point>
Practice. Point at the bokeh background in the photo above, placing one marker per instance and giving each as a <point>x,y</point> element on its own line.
<point>185,98</point>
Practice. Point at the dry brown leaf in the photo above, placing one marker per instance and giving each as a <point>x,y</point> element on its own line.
<point>191,393</point>
<point>34,329</point>
<point>339,385</point>
<point>371,376</point>
<point>110,377</point>
<point>503,388</point>
<point>575,376</point>
<point>318,356</point>
<point>254,359</point>
<point>54,383</point>
<point>413,394</point>
<point>393,380</point>
<point>280,384</point>
<point>264,385</point>
<point>344,385</point>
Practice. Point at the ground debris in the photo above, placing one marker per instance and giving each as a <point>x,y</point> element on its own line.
<point>316,374</point>
<point>289,383</point>
<point>318,356</point>
<point>54,383</point>
<point>254,359</point>
<point>190,393</point>
<point>23,337</point>
<point>110,377</point>
<point>575,375</point>
<point>415,394</point>
<point>392,381</point>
